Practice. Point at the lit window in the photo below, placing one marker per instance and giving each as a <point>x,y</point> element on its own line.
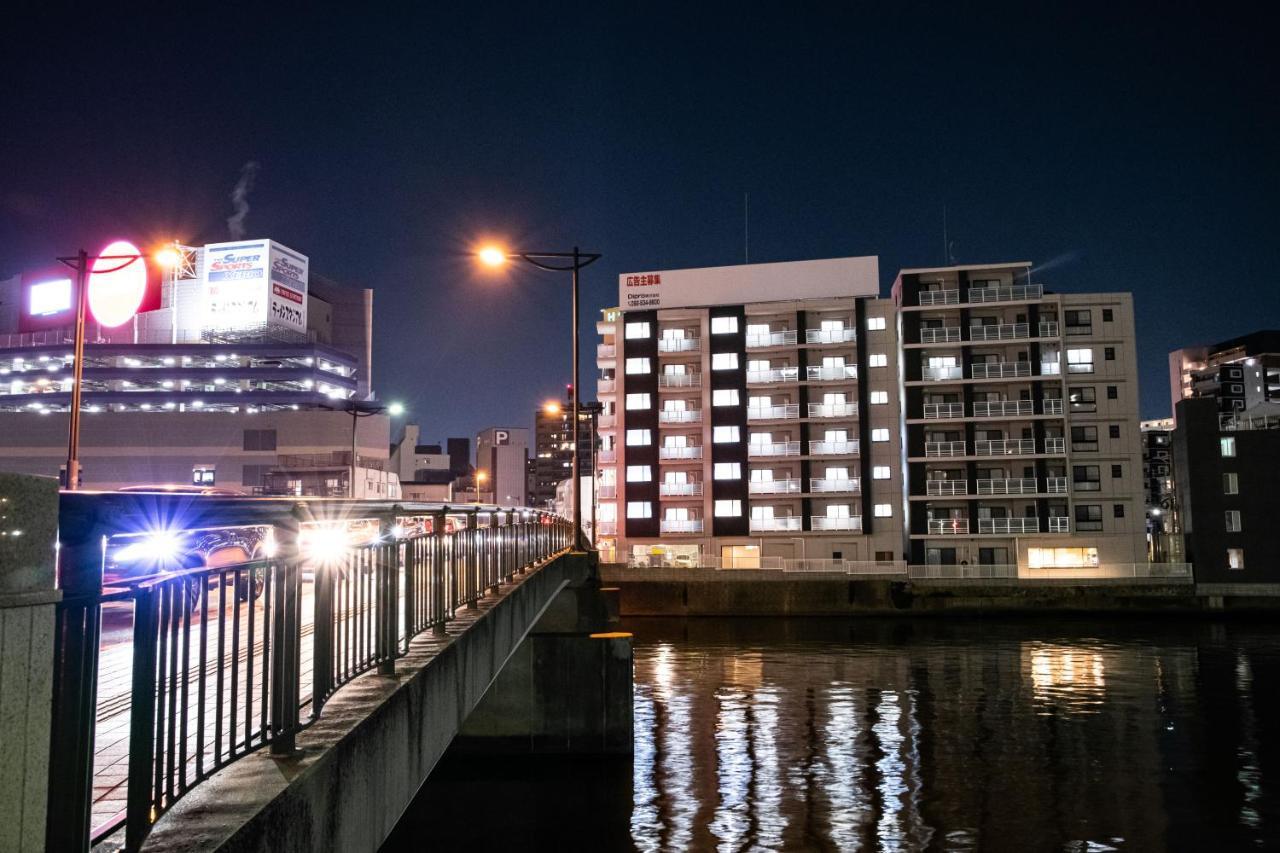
<point>639,473</point>
<point>639,509</point>
<point>1080,361</point>
<point>1235,558</point>
<point>728,508</point>
<point>878,359</point>
<point>1062,558</point>
<point>880,435</point>
<point>639,437</point>
<point>1228,445</point>
<point>724,434</point>
<point>724,361</point>
<point>1233,521</point>
<point>637,401</point>
<point>881,472</point>
<point>1230,484</point>
<point>727,471</point>
<point>637,330</point>
<point>883,510</point>
<point>724,325</point>
<point>638,365</point>
<point>875,324</point>
<point>879,398</point>
<point>724,397</point>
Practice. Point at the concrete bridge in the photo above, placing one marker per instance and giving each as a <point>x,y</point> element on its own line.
<point>216,673</point>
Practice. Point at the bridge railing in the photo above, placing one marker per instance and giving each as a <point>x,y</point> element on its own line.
<point>248,614</point>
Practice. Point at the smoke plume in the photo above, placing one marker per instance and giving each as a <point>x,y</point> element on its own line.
<point>240,199</point>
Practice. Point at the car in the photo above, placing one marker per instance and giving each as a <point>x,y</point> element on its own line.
<point>178,489</point>
<point>131,559</point>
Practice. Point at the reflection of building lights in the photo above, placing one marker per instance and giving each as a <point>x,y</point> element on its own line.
<point>1069,675</point>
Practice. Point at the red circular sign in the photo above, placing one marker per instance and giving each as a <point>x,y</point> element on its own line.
<point>117,284</point>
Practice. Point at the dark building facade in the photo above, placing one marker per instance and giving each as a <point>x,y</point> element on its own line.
<point>1226,488</point>
<point>552,459</point>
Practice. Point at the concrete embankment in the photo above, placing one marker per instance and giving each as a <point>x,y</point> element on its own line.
<point>744,592</point>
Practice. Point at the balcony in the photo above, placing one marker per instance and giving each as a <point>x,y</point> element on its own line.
<point>1059,524</point>
<point>1006,526</point>
<point>1048,329</point>
<point>999,332</point>
<point>940,297</point>
<point>680,525</point>
<point>828,522</point>
<point>679,380</point>
<point>775,524</point>
<point>607,455</point>
<point>833,410</point>
<point>1017,293</point>
<point>606,421</point>
<point>679,344</point>
<point>788,486</point>
<point>1003,408</point>
<point>774,374</point>
<point>784,338</point>
<point>946,372</point>
<point>1056,485</point>
<point>1055,445</point>
<point>830,336</point>
<point>679,490</point>
<point>837,373</point>
<point>939,334</point>
<point>1013,486</point>
<point>948,526</point>
<point>941,411</point>
<point>944,448</point>
<point>606,386</point>
<point>946,488</point>
<point>833,448</point>
<point>1005,447</point>
<point>1052,405</point>
<point>786,411</point>
<point>606,351</point>
<point>606,491</point>
<point>1000,369</point>
<point>847,484</point>
<point>774,448</point>
<point>606,528</point>
<point>680,416</point>
<point>679,452</point>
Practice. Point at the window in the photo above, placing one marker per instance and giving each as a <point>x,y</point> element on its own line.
<point>1078,322</point>
<point>637,401</point>
<point>1083,398</point>
<point>724,325</point>
<point>880,435</point>
<point>875,324</point>
<point>727,471</point>
<point>1086,478</point>
<point>1113,430</point>
<point>1235,558</point>
<point>1117,510</point>
<point>1228,445</point>
<point>1062,558</point>
<point>728,508</point>
<point>1233,521</point>
<point>881,472</point>
<point>1084,438</point>
<point>639,437</point>
<point>1109,353</point>
<point>878,359</point>
<point>1113,392</point>
<point>831,325</point>
<point>252,475</point>
<point>879,398</point>
<point>639,473</point>
<point>724,434</point>
<point>1080,361</point>
<point>636,330</point>
<point>259,439</point>
<point>639,509</point>
<point>724,361</point>
<point>1116,472</point>
<point>637,365</point>
<point>203,475</point>
<point>883,510</point>
<point>1088,517</point>
<point>1230,484</point>
<point>1107,315</point>
<point>724,397</point>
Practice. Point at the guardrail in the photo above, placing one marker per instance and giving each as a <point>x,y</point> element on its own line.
<point>248,615</point>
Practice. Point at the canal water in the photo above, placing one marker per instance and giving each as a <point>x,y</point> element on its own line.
<point>928,734</point>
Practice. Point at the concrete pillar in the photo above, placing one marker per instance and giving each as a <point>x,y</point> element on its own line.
<point>28,529</point>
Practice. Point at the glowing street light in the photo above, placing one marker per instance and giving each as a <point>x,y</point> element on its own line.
<point>492,256</point>
<point>395,410</point>
<point>481,476</point>
<point>551,408</point>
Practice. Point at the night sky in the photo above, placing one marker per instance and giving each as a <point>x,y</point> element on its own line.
<point>1125,150</point>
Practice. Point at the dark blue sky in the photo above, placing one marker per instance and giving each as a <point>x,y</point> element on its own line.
<point>1140,147</point>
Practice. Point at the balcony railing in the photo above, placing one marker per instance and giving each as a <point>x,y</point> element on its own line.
<point>1000,369</point>
<point>607,455</point>
<point>1055,445</point>
<point>948,526</point>
<point>784,338</point>
<point>679,380</point>
<point>680,525</point>
<point>680,452</point>
<point>833,410</point>
<point>1008,525</point>
<point>787,486</point>
<point>1052,406</point>
<point>679,344</point>
<point>946,372</point>
<point>680,416</point>
<point>944,488</point>
<point>940,297</point>
<point>1048,329</point>
<point>939,334</point>
<point>1014,486</point>
<point>1055,485</point>
<point>846,484</point>
<point>944,448</point>
<point>673,490</point>
<point>774,374</point>
<point>833,448</point>
<point>1005,447</point>
<point>831,522</point>
<point>605,351</point>
<point>775,524</point>
<point>1017,293</point>
<point>606,528</point>
<point>831,374</point>
<point>999,332</point>
<point>606,491</point>
<point>785,411</point>
<point>606,386</point>
<point>774,448</point>
<point>941,411</point>
<point>830,336</point>
<point>1003,408</point>
<point>607,421</point>
<point>1059,524</point>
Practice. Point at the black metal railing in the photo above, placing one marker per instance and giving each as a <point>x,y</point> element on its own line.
<point>226,659</point>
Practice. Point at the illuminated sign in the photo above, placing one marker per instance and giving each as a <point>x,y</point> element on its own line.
<point>49,297</point>
<point>734,285</point>
<point>117,284</point>
<point>254,283</point>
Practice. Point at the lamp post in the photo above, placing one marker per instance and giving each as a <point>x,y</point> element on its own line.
<point>358,410</point>
<point>481,476</point>
<point>558,262</point>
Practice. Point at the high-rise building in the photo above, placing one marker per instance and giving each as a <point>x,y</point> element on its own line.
<point>501,453</point>
<point>552,459</point>
<point>1158,492</point>
<point>1239,373</point>
<point>459,450</point>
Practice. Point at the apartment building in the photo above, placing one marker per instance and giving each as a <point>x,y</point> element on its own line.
<point>1239,373</point>
<point>1163,544</point>
<point>1020,417</point>
<point>750,417</point>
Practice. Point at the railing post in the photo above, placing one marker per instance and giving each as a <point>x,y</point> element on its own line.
<point>473,559</point>
<point>142,719</point>
<point>286,636</point>
<point>441,611</point>
<point>386,588</point>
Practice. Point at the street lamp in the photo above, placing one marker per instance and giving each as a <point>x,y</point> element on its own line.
<point>123,292</point>
<point>481,476</point>
<point>358,410</point>
<point>574,261</point>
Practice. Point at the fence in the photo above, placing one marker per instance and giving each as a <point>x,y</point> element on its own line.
<point>228,658</point>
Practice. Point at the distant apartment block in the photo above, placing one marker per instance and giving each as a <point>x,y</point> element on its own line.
<point>1158,491</point>
<point>1239,373</point>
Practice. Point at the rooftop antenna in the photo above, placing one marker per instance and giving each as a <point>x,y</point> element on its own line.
<point>948,257</point>
<point>746,228</point>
